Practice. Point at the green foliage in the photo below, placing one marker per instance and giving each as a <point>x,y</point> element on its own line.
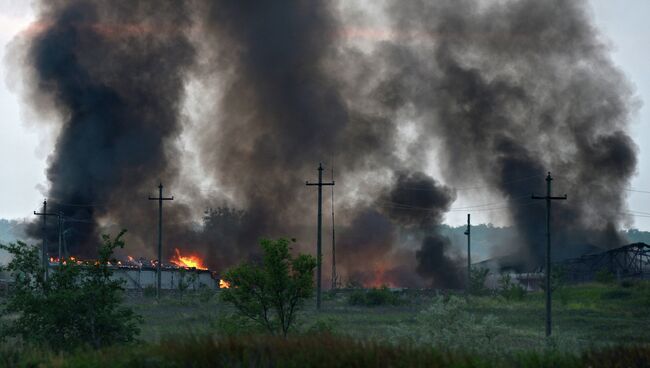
<point>77,305</point>
<point>373,297</point>
<point>558,278</point>
<point>629,283</point>
<point>316,350</point>
<point>149,291</point>
<point>477,277</point>
<point>604,276</point>
<point>185,280</point>
<point>447,323</point>
<point>205,294</point>
<point>271,293</point>
<point>509,289</point>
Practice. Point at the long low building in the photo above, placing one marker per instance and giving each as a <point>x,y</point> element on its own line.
<point>170,278</point>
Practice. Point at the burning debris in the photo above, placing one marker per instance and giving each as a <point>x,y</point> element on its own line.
<point>500,92</point>
<point>189,261</point>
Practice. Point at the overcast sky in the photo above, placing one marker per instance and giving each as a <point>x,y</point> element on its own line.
<point>24,148</point>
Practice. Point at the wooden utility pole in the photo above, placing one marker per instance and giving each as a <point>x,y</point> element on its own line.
<point>46,262</point>
<point>60,237</point>
<point>319,255</point>
<point>548,199</point>
<point>469,256</point>
<point>44,259</point>
<point>334,276</point>
<point>160,200</point>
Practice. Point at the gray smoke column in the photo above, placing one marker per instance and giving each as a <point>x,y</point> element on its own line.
<point>114,73</point>
<point>281,114</point>
<point>285,107</point>
<point>509,90</point>
<point>418,203</point>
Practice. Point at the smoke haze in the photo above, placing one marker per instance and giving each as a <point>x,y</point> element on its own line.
<point>500,93</point>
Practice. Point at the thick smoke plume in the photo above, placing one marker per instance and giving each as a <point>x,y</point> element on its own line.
<point>501,92</point>
<point>114,70</point>
<point>510,90</point>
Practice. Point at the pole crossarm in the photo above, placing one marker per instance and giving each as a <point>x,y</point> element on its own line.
<point>548,198</point>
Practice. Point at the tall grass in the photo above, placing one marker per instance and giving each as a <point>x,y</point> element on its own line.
<point>315,350</point>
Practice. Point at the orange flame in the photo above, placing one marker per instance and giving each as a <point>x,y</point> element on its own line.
<point>223,284</point>
<point>191,261</point>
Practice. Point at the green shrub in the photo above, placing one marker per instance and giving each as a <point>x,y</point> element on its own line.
<point>149,291</point>
<point>604,276</point>
<point>205,294</point>
<point>628,283</point>
<point>271,294</point>
<point>477,277</point>
<point>77,305</point>
<point>616,294</point>
<point>357,297</point>
<point>447,323</point>
<point>381,296</point>
<point>509,289</point>
<point>373,297</point>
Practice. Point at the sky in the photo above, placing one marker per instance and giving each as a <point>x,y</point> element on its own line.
<point>24,148</point>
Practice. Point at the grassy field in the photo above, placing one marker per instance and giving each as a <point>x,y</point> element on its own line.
<point>591,315</point>
<point>592,323</point>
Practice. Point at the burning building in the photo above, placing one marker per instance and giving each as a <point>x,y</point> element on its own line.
<point>245,97</point>
<point>182,272</point>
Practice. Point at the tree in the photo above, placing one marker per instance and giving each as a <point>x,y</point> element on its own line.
<point>477,278</point>
<point>79,304</point>
<point>271,293</point>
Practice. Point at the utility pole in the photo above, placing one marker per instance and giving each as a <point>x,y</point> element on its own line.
<point>319,255</point>
<point>46,262</point>
<point>44,259</point>
<point>160,200</point>
<point>60,237</point>
<point>548,199</point>
<point>334,277</point>
<point>469,256</point>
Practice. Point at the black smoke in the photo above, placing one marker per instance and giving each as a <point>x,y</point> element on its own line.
<point>508,91</point>
<point>115,73</point>
<point>502,92</point>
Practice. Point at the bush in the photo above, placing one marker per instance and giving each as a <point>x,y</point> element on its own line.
<point>604,276</point>
<point>271,293</point>
<point>628,283</point>
<point>76,305</point>
<point>357,297</point>
<point>205,294</point>
<point>558,278</point>
<point>509,289</point>
<point>149,291</point>
<point>477,277</point>
<point>373,297</point>
<point>447,323</point>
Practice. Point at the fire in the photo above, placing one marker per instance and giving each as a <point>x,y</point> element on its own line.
<point>223,284</point>
<point>191,261</point>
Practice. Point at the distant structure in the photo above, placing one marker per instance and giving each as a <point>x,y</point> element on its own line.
<point>628,261</point>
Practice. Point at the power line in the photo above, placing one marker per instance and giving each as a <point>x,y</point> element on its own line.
<point>474,187</point>
<point>406,207</point>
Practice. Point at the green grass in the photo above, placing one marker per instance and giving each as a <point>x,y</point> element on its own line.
<point>592,323</point>
<point>588,315</point>
<point>315,350</point>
